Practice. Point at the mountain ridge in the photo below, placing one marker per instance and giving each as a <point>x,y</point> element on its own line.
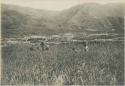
<point>21,21</point>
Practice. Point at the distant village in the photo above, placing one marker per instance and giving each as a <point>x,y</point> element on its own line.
<point>57,39</point>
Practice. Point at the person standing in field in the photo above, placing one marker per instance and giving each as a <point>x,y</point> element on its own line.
<point>86,45</point>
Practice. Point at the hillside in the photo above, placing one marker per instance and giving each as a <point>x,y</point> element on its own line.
<point>93,17</point>
<point>22,21</point>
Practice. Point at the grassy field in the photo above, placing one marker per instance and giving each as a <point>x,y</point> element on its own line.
<point>64,64</point>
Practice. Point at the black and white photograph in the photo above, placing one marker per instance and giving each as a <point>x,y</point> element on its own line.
<point>62,43</point>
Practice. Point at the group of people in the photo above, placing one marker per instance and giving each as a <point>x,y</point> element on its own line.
<point>44,46</point>
<point>85,45</point>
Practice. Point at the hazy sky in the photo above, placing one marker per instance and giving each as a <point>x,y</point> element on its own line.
<point>55,4</point>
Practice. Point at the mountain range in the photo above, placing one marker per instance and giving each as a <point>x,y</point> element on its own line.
<point>90,18</point>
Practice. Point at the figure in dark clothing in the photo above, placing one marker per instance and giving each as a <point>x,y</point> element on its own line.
<point>42,44</point>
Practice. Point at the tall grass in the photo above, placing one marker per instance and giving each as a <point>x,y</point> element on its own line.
<point>102,64</point>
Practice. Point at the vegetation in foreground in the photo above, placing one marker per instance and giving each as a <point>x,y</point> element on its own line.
<point>64,64</point>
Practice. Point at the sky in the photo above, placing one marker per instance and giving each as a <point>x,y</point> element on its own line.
<point>55,4</point>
